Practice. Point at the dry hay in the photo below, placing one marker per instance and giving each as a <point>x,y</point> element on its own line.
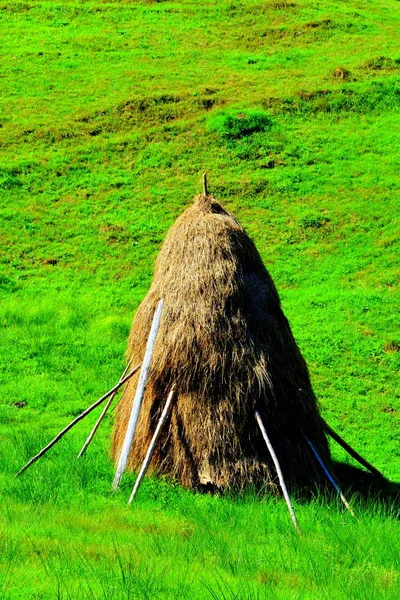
<point>226,343</point>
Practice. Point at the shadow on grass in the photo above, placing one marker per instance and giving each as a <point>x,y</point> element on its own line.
<point>368,487</point>
<point>360,487</point>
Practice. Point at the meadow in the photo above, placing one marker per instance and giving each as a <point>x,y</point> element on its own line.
<point>110,111</point>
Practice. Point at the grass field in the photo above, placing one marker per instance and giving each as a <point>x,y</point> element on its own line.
<point>109,114</point>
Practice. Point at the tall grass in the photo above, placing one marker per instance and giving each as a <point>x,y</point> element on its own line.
<point>66,533</point>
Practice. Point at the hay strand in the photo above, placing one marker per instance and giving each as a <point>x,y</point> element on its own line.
<point>150,451</point>
<point>103,414</point>
<point>76,420</point>
<point>140,390</point>
<point>351,450</point>
<point>278,470</point>
<point>329,476</point>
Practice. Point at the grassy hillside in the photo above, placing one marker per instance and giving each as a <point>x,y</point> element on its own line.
<point>109,114</point>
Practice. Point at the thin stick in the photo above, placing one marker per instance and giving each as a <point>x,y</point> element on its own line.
<point>76,420</point>
<point>329,476</point>
<point>351,450</point>
<point>153,442</point>
<point>278,470</point>
<point>103,414</point>
<point>205,190</point>
<point>137,402</point>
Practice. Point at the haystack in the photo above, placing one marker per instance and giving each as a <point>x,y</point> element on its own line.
<point>226,344</point>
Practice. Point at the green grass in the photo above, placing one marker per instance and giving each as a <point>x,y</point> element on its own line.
<point>109,114</point>
<point>175,544</point>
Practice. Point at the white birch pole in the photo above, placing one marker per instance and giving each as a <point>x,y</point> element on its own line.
<point>76,420</point>
<point>153,442</point>
<point>137,401</point>
<point>278,470</point>
<point>329,476</point>
<point>103,414</point>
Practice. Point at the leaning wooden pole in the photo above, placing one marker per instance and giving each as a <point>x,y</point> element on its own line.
<point>329,476</point>
<point>160,425</point>
<point>351,450</point>
<point>137,402</point>
<point>103,414</point>
<point>205,188</point>
<point>278,470</point>
<point>76,420</point>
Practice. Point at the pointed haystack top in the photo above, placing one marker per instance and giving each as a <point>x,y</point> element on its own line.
<point>226,344</point>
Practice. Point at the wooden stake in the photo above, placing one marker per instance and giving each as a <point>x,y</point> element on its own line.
<point>137,402</point>
<point>328,474</point>
<point>351,450</point>
<point>205,190</point>
<point>76,420</point>
<point>278,470</point>
<point>153,442</point>
<point>103,414</point>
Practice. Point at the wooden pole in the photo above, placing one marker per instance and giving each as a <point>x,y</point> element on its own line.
<point>205,190</point>
<point>137,402</point>
<point>103,414</point>
<point>76,420</point>
<point>351,450</point>
<point>153,442</point>
<point>278,470</point>
<point>328,474</point>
